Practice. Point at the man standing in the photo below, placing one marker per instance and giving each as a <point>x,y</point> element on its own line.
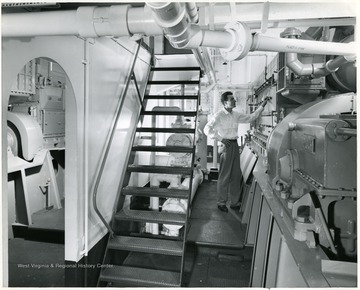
<point>224,128</point>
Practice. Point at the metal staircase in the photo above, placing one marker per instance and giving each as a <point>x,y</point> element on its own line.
<point>135,256</point>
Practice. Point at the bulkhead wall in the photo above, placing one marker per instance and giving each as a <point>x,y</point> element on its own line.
<point>97,70</point>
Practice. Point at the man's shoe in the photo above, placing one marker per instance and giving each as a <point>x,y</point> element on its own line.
<point>223,208</point>
<point>235,207</point>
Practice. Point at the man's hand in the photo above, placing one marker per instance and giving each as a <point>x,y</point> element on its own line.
<point>265,101</point>
<point>226,142</point>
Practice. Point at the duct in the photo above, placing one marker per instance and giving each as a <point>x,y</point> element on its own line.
<point>141,21</point>
<point>192,11</point>
<point>203,58</point>
<point>86,21</point>
<point>177,26</point>
<point>202,55</point>
<point>267,43</point>
<point>236,41</point>
<point>170,19</point>
<point>314,69</point>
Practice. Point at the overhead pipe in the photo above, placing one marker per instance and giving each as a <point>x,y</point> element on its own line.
<point>313,69</point>
<point>275,44</point>
<point>201,54</point>
<point>171,19</point>
<point>192,11</point>
<point>86,21</point>
<point>177,26</point>
<point>236,41</point>
<point>203,58</point>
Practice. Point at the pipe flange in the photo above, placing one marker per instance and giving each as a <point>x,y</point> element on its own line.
<point>241,41</point>
<point>332,127</point>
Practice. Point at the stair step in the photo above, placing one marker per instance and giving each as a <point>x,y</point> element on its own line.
<point>163,97</point>
<point>169,113</point>
<point>151,216</point>
<point>146,245</point>
<point>156,192</point>
<point>185,68</point>
<point>133,276</point>
<point>177,149</point>
<point>166,130</point>
<point>160,169</point>
<point>173,82</point>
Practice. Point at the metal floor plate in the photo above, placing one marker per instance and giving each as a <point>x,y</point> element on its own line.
<point>210,226</point>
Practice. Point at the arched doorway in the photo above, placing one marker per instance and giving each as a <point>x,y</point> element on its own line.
<point>36,171</point>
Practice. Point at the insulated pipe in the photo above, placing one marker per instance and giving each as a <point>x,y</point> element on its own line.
<point>175,21</point>
<point>333,64</point>
<point>216,39</point>
<point>267,43</point>
<point>203,58</point>
<point>171,18</point>
<point>49,23</point>
<point>316,69</point>
<point>86,21</point>
<point>192,11</point>
<point>140,20</point>
<point>236,41</point>
<point>201,54</point>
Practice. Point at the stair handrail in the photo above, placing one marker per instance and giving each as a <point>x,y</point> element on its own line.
<point>109,142</point>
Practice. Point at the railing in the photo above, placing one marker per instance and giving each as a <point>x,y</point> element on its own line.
<point>109,142</point>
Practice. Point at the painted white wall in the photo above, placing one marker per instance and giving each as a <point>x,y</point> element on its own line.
<point>109,63</point>
<point>16,53</point>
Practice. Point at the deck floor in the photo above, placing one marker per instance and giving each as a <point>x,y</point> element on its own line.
<point>215,257</point>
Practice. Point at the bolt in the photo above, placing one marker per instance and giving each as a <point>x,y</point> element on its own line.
<point>278,187</point>
<point>284,195</point>
<point>292,126</point>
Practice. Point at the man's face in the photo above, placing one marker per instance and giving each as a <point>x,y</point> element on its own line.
<point>230,103</point>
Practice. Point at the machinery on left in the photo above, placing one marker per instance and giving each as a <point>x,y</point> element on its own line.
<point>35,142</point>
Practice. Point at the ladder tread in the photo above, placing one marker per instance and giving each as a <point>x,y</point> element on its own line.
<point>189,97</point>
<point>169,113</point>
<point>176,68</point>
<point>134,276</point>
<point>156,192</point>
<point>151,216</point>
<point>178,149</point>
<point>160,169</point>
<point>147,245</point>
<point>165,130</point>
<point>127,275</point>
<point>175,82</point>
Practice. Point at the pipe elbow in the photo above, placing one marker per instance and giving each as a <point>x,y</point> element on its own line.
<point>168,14</point>
<point>296,66</point>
